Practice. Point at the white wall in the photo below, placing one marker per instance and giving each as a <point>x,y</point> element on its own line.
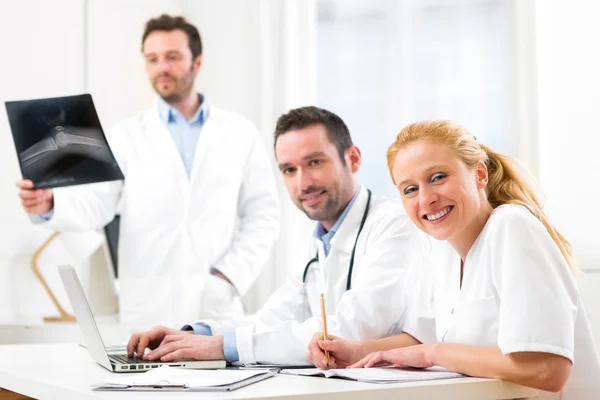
<point>251,65</point>
<point>569,107</point>
<point>258,61</point>
<point>58,48</point>
<point>42,55</point>
<point>114,65</point>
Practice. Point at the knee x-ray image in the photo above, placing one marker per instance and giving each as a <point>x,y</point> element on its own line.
<point>60,142</point>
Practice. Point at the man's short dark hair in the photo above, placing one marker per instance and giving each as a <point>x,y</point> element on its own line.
<point>169,23</point>
<point>299,118</point>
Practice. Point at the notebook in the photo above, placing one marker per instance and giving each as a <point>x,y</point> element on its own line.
<point>379,375</point>
<point>175,379</point>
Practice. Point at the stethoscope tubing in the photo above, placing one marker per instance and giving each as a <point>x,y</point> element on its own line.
<point>351,266</point>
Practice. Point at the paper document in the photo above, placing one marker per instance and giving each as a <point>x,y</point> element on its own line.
<point>379,375</point>
<point>169,378</point>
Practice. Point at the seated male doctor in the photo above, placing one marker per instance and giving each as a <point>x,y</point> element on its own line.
<point>362,248</point>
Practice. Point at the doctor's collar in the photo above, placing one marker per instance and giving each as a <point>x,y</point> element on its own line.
<point>169,114</point>
<point>320,230</point>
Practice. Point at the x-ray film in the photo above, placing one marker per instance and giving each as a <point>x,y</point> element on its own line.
<point>60,142</point>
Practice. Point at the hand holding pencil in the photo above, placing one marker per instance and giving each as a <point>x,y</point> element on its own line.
<point>339,353</point>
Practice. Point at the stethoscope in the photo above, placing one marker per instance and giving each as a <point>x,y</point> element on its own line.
<point>360,227</point>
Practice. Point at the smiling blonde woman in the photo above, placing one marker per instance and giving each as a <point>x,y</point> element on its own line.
<point>506,304</point>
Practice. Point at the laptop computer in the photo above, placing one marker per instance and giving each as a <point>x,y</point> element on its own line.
<point>93,339</point>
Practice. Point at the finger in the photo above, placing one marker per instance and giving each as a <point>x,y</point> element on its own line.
<point>144,341</point>
<point>313,346</point>
<point>318,359</point>
<point>29,199</point>
<point>132,343</point>
<point>160,351</point>
<point>47,194</point>
<point>176,355</point>
<point>321,357</point>
<point>310,357</point>
<point>332,363</point>
<point>171,338</point>
<point>30,204</point>
<point>376,359</point>
<point>25,184</point>
<point>316,355</point>
<point>321,363</point>
<point>332,345</point>
<point>362,362</point>
<point>165,349</point>
<point>316,337</point>
<point>381,363</point>
<point>28,194</point>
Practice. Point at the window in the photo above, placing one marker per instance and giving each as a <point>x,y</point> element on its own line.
<point>382,65</point>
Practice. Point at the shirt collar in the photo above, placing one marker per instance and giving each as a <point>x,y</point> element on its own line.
<point>320,230</point>
<point>169,114</point>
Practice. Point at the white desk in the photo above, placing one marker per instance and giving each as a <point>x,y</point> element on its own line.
<point>66,371</point>
<point>37,331</point>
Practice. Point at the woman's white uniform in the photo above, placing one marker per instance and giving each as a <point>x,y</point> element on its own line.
<point>518,294</point>
<point>174,228</point>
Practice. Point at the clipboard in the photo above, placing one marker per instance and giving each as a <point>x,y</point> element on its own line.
<point>167,387</point>
<point>180,380</point>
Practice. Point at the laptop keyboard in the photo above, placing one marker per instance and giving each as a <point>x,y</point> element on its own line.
<point>123,359</point>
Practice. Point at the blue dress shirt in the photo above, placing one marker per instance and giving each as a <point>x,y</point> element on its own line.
<point>321,234</point>
<point>229,339</point>
<point>185,133</point>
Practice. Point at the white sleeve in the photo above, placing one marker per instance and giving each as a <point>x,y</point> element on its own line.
<point>258,210</point>
<point>371,309</point>
<point>285,304</point>
<point>537,291</point>
<point>419,314</point>
<point>85,207</point>
<point>287,307</point>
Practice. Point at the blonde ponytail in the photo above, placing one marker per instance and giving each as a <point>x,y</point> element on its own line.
<point>508,182</point>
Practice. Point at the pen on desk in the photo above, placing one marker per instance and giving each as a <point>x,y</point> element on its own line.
<point>324,317</point>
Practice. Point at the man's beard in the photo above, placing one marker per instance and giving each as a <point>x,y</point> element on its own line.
<point>174,97</point>
<point>327,211</point>
<point>183,87</point>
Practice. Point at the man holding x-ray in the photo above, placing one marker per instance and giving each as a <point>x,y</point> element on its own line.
<point>199,208</point>
<point>362,249</point>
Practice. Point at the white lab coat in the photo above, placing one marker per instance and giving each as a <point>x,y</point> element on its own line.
<point>374,307</point>
<point>173,228</point>
<point>518,294</point>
